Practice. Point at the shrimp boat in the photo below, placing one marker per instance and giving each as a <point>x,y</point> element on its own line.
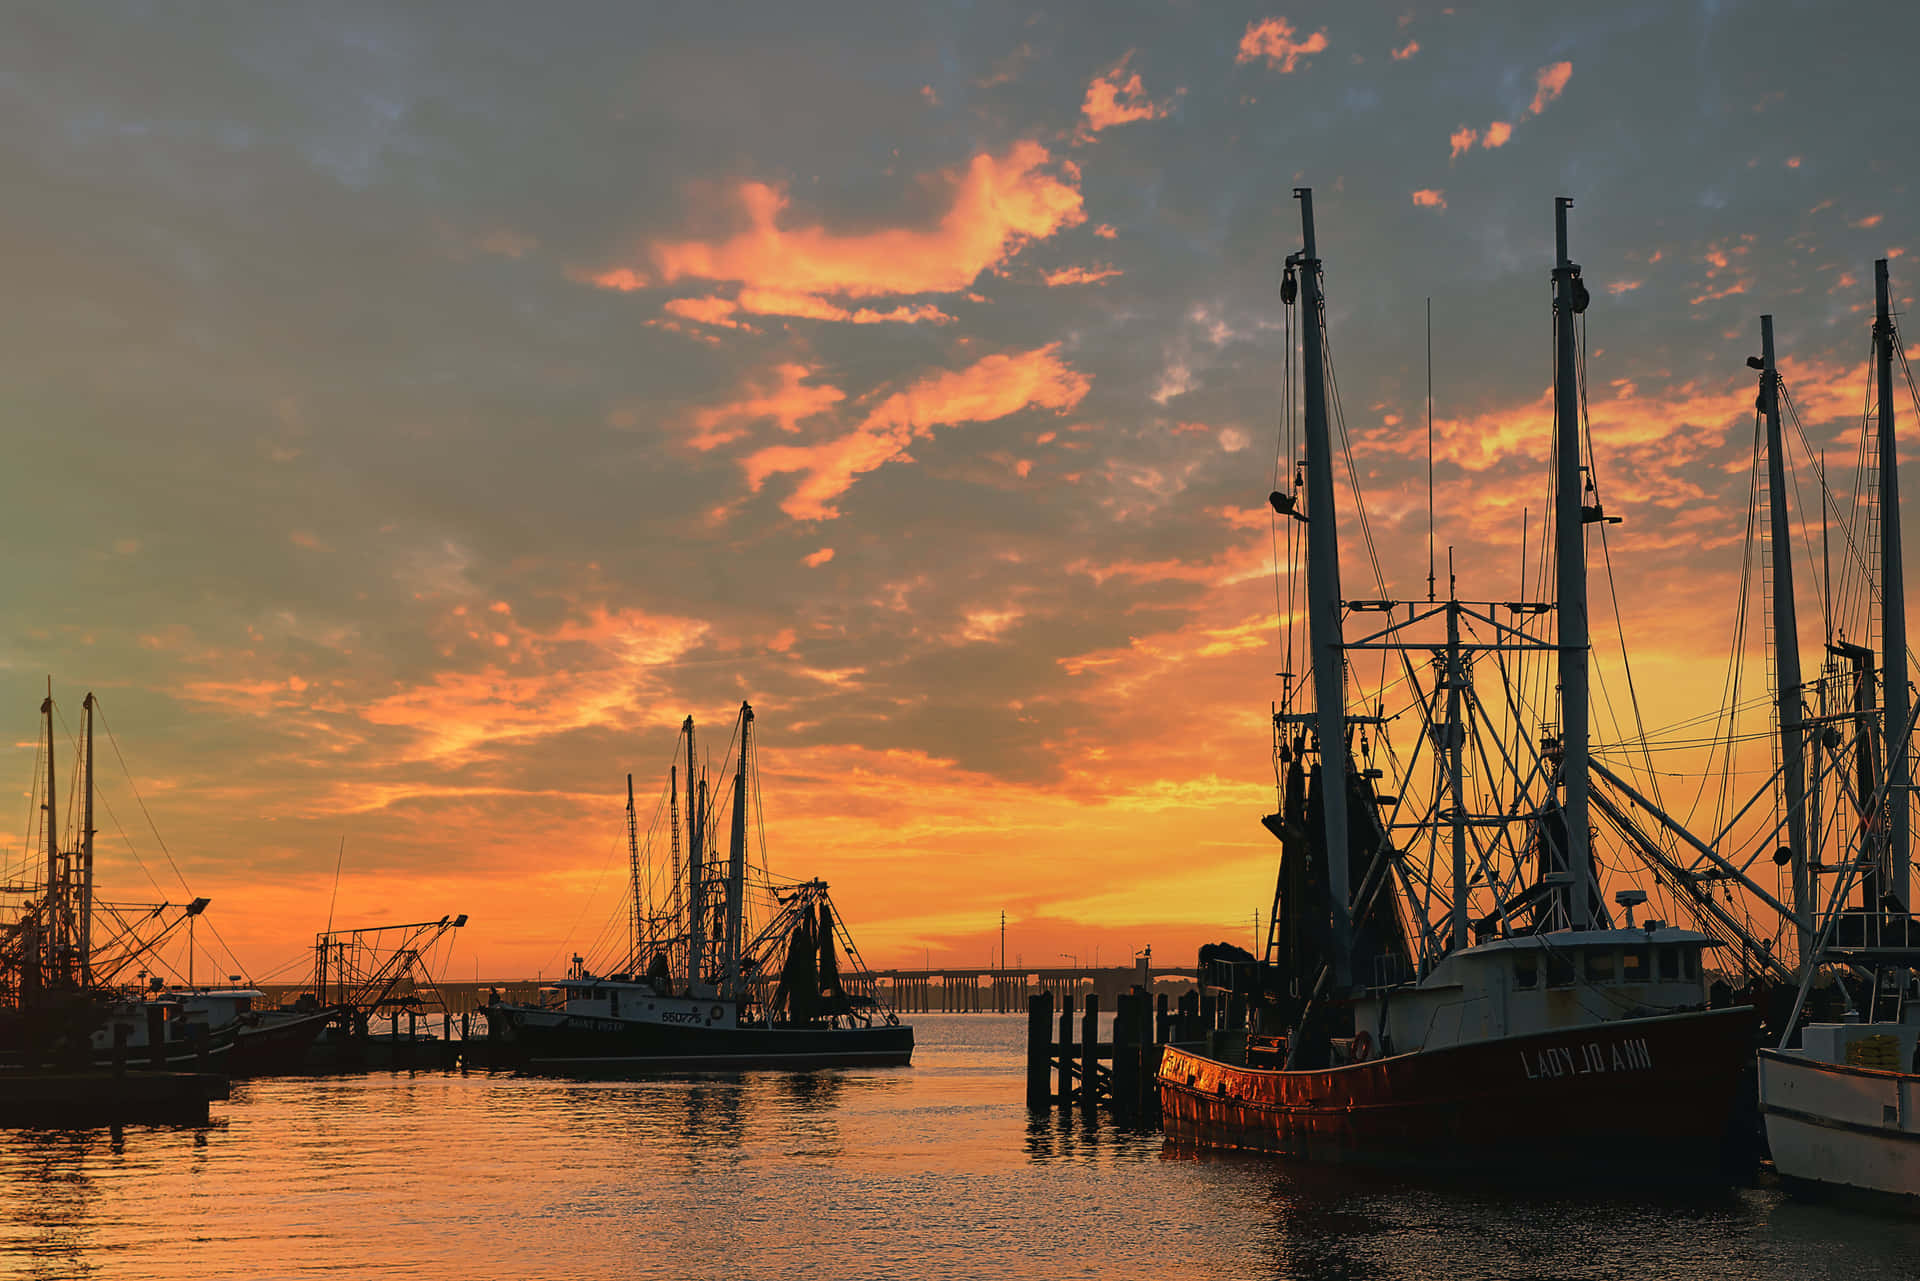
<point>74,987</point>
<point>1445,985</point>
<point>706,983</point>
<point>1840,1093</point>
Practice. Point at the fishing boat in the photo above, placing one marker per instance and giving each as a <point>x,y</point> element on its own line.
<point>75,987</point>
<point>704,983</point>
<point>1445,985</point>
<point>1840,1093</point>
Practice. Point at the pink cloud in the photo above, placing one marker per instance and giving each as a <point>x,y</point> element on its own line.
<point>706,311</point>
<point>1427,198</point>
<point>1113,101</point>
<point>991,388</point>
<point>1406,51</point>
<point>1273,39</point>
<point>1079,276</point>
<point>1548,84</point>
<point>786,403</point>
<point>1497,134</point>
<point>993,207</point>
<point>1462,139</point>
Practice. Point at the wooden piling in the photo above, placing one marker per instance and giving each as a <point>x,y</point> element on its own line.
<point>1065,1095</point>
<point>1125,1080</point>
<point>1090,1050</point>
<point>157,1034</point>
<point>120,1031</point>
<point>1039,1050</point>
<point>1160,1020</point>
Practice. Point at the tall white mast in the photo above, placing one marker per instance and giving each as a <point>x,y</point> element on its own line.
<point>1786,645</point>
<point>1324,604</point>
<point>1570,556</point>
<point>1893,605</point>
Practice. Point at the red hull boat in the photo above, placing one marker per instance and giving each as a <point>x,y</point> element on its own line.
<point>1660,1087</point>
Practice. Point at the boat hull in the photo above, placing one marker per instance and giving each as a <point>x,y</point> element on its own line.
<point>1657,1091</point>
<point>1839,1129</point>
<point>553,1041</point>
<point>277,1046</point>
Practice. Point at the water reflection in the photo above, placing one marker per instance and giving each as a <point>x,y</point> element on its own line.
<point>936,1171</point>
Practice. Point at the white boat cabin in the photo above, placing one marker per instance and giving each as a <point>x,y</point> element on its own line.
<point>641,1002</point>
<point>1533,983</point>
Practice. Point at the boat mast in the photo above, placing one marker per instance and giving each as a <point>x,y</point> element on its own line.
<point>52,906</point>
<point>635,965</point>
<point>1786,645</point>
<point>737,850</point>
<point>673,825</point>
<point>696,919</point>
<point>1456,740</point>
<point>85,940</point>
<point>1324,603</point>
<point>1569,299</point>
<point>1893,606</point>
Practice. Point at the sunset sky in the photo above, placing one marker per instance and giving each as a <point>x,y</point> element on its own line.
<point>410,417</point>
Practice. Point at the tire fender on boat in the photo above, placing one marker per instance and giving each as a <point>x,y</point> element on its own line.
<point>1362,1046</point>
<point>715,1016</point>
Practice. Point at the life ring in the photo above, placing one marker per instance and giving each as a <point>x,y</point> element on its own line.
<point>1362,1046</point>
<point>715,1016</point>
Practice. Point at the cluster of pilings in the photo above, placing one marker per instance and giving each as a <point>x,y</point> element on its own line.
<point>1119,1073</point>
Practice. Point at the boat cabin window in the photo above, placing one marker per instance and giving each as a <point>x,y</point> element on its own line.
<point>1526,971</point>
<point>1599,967</point>
<point>1634,967</point>
<point>1559,969</point>
<point>1690,963</point>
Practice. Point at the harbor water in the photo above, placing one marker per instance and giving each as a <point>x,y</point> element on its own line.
<point>934,1171</point>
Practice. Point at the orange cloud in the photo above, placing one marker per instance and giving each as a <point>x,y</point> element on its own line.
<point>1105,231</point>
<point>623,279</point>
<point>995,206</point>
<point>781,302</point>
<point>992,388</point>
<point>1548,84</point>
<point>1079,276</point>
<point>926,91</point>
<point>1112,101</point>
<point>816,559</point>
<point>1273,39</point>
<point>1871,220</point>
<point>1407,51</point>
<point>1427,198</point>
<point>786,403</point>
<point>707,311</point>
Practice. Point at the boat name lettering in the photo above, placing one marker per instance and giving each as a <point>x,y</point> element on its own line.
<point>1585,1060</point>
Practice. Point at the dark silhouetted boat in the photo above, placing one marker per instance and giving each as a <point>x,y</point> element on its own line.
<point>706,983</point>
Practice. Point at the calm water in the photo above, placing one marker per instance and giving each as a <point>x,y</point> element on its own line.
<point>928,1172</point>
